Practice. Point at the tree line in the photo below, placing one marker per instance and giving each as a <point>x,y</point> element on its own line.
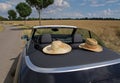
<point>86,18</point>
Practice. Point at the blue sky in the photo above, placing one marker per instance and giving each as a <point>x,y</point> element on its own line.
<point>70,8</point>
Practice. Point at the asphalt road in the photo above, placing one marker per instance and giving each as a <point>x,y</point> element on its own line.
<point>10,47</point>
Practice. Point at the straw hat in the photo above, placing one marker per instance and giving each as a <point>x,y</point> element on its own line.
<point>57,47</point>
<point>92,45</point>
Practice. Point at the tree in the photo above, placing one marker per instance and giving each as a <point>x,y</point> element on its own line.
<point>24,10</point>
<point>39,5</point>
<point>12,15</point>
<point>19,18</point>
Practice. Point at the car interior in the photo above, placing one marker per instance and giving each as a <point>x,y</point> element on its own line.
<point>45,39</point>
<point>72,38</point>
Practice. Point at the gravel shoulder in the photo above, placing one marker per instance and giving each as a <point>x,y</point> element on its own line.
<point>10,47</point>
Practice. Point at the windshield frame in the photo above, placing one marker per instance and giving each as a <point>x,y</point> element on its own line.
<point>34,30</point>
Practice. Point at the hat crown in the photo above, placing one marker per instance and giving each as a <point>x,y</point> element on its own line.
<point>92,45</point>
<point>91,41</point>
<point>56,45</point>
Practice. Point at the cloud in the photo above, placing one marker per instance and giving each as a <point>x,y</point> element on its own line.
<point>111,13</point>
<point>71,15</point>
<point>5,6</point>
<point>64,15</point>
<point>14,2</point>
<point>61,3</point>
<point>57,6</point>
<point>53,10</point>
<point>92,3</point>
<point>107,12</point>
<point>78,15</point>
<point>98,3</point>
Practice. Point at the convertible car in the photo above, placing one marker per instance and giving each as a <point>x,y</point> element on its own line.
<point>38,64</point>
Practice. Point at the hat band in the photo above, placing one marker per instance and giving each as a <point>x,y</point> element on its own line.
<point>90,46</point>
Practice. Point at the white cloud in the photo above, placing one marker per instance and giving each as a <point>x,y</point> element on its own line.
<point>50,11</point>
<point>72,15</point>
<point>92,3</point>
<point>5,6</point>
<point>98,3</point>
<point>78,15</point>
<point>107,12</point>
<point>61,3</point>
<point>53,10</point>
<point>57,6</point>
<point>64,15</point>
<point>111,13</point>
<point>92,15</point>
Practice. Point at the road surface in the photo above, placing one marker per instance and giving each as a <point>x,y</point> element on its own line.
<point>10,47</point>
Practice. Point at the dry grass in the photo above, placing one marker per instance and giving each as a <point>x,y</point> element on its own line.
<point>1,28</point>
<point>25,32</point>
<point>108,31</point>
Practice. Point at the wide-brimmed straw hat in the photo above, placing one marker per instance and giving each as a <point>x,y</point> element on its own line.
<point>92,45</point>
<point>57,47</point>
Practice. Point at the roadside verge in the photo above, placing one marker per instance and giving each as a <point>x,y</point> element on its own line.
<point>1,28</point>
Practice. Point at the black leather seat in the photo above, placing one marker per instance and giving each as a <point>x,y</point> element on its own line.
<point>43,41</point>
<point>46,39</point>
<point>77,38</point>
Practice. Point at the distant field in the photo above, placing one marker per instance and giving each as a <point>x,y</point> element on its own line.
<point>108,31</point>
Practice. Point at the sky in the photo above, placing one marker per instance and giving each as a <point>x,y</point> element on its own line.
<point>70,8</point>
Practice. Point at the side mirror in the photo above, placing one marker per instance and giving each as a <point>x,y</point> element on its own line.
<point>25,37</point>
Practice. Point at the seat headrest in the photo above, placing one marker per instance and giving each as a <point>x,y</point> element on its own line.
<point>46,38</point>
<point>77,38</point>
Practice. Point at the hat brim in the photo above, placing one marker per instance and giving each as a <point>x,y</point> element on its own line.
<point>48,50</point>
<point>97,49</point>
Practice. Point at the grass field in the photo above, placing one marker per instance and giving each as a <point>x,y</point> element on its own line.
<point>108,31</point>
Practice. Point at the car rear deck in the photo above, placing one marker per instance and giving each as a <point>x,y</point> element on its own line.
<point>77,59</point>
